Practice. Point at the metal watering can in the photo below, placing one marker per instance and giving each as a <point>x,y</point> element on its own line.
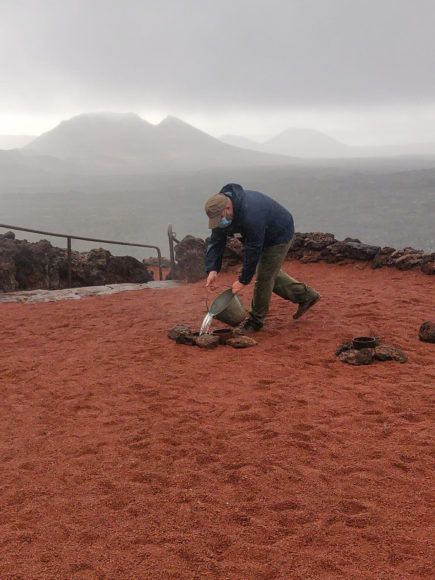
<point>227,308</point>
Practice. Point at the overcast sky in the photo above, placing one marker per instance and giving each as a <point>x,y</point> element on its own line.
<point>361,70</point>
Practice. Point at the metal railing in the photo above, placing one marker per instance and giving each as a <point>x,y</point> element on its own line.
<point>69,238</point>
<point>172,238</point>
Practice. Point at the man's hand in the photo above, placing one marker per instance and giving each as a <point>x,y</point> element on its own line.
<point>211,280</point>
<point>237,287</point>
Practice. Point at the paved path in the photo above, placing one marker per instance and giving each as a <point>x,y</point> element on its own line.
<point>32,296</point>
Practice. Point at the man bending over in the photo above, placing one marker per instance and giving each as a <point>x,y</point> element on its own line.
<point>267,230</point>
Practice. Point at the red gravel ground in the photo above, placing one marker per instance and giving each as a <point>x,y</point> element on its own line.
<point>125,455</point>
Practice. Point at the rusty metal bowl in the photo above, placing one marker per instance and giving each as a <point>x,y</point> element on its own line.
<point>360,342</point>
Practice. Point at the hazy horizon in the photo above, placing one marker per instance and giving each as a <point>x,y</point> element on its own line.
<point>337,198</point>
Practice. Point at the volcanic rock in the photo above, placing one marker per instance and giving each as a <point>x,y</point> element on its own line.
<point>319,240</point>
<point>352,249</point>
<point>310,247</point>
<point>427,332</point>
<point>99,267</point>
<point>305,247</point>
<point>405,259</point>
<point>428,267</point>
<point>364,356</point>
<point>409,259</point>
<point>31,266</point>
<point>189,255</point>
<point>343,348</point>
<point>207,341</point>
<point>241,341</point>
<point>388,352</point>
<point>224,334</point>
<point>383,257</point>
<point>179,330</point>
<point>189,339</point>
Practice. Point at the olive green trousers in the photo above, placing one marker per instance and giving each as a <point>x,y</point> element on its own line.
<point>270,278</point>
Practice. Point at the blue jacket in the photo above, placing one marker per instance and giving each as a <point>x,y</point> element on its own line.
<point>262,221</point>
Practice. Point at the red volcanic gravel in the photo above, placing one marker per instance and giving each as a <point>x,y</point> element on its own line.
<point>126,455</point>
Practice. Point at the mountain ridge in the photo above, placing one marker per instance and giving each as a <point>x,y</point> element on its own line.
<point>132,144</point>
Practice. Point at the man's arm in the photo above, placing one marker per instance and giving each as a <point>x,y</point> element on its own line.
<point>214,254</point>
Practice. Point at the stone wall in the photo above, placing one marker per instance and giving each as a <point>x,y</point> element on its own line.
<point>307,247</point>
<point>29,266</point>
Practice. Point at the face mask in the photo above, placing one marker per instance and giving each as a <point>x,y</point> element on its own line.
<point>224,223</point>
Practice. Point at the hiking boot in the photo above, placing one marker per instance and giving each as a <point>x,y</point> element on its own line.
<point>304,306</point>
<point>249,327</point>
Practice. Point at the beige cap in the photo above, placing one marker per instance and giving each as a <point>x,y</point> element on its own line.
<point>214,206</point>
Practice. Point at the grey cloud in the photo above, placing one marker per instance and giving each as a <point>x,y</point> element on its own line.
<point>238,54</point>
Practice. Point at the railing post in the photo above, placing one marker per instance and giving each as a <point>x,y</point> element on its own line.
<point>69,262</point>
<point>159,255</point>
<point>172,238</point>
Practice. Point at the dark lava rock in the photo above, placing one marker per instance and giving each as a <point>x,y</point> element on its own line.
<point>388,352</point>
<point>343,348</point>
<point>179,330</point>
<point>31,266</point>
<point>8,236</point>
<point>364,356</point>
<point>405,259</point>
<point>310,247</point>
<point>241,341</point>
<point>189,339</point>
<point>207,341</point>
<point>306,247</point>
<point>428,268</point>
<point>409,260</point>
<point>353,249</point>
<point>189,255</point>
<point>319,240</point>
<point>224,334</point>
<point>359,251</point>
<point>427,332</point>
<point>383,257</point>
<point>183,335</point>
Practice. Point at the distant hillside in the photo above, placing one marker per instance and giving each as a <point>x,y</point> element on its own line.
<point>311,144</point>
<point>15,141</point>
<point>397,150</point>
<point>125,143</point>
<point>238,141</point>
<point>305,143</point>
<point>105,135</point>
<point>17,163</point>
